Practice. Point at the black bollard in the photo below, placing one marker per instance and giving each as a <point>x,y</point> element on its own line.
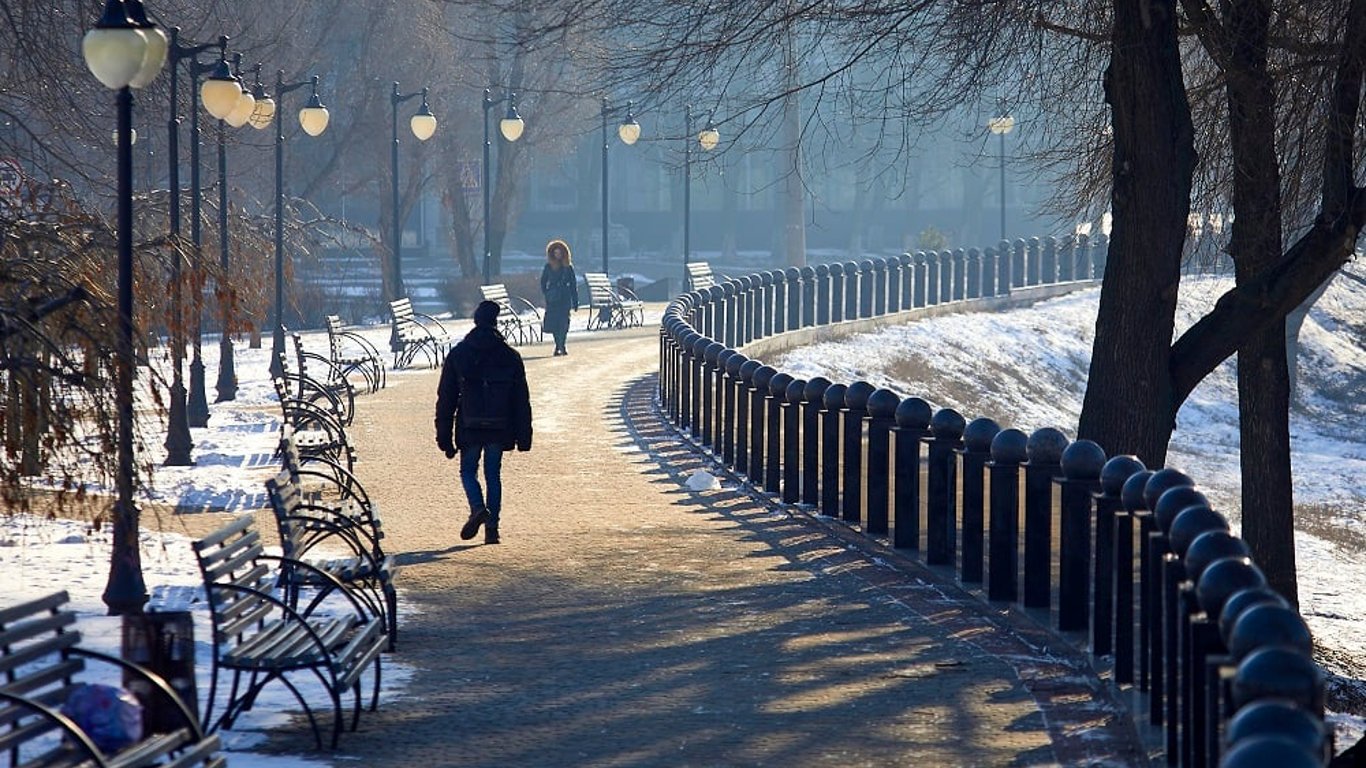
<point>1033,259</point>
<point>793,399</point>
<point>896,270</point>
<point>907,288</point>
<point>832,401</point>
<point>742,416</point>
<point>685,389</point>
<point>794,298</point>
<point>920,279</point>
<point>972,288</point>
<point>851,290</point>
<point>722,386</point>
<point>1066,263</point>
<point>941,484</point>
<point>950,274</point>
<point>778,285</point>
<point>882,406</point>
<point>773,448</point>
<point>758,420</point>
<point>744,308</point>
<point>811,438</point>
<point>808,278</point>
<point>931,278</point>
<point>836,293</point>
<point>989,272</point>
<point>821,305</point>
<point>855,411</point>
<point>1112,625</point>
<point>710,381</point>
<point>879,288</point>
<point>867,280</point>
<point>1009,449</point>
<point>729,407</point>
<point>912,425</point>
<point>1045,449</point>
<point>1048,261</point>
<point>975,453</point>
<point>1082,462</point>
<point>697,385</point>
<point>764,298</point>
<point>731,332</point>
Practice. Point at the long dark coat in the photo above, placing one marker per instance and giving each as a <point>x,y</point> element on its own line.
<point>561,290</point>
<point>486,346</point>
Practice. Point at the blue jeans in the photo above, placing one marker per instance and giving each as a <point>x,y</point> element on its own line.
<point>469,478</point>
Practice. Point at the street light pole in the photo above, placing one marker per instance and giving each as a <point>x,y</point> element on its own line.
<point>628,132</point>
<point>707,140</point>
<point>510,127</point>
<point>313,119</point>
<point>178,442</point>
<point>423,125</point>
<point>1000,125</point>
<point>123,54</point>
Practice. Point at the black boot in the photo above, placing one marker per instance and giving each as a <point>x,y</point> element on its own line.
<point>491,533</point>
<point>471,529</point>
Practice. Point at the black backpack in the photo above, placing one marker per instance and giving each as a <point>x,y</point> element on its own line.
<point>486,397</point>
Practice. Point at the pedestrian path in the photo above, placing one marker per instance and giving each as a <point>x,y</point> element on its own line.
<point>628,621</point>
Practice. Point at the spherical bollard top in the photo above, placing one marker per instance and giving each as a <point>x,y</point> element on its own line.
<point>763,376</point>
<point>700,344</point>
<point>723,359</point>
<point>1045,446</point>
<point>748,369</point>
<point>1267,624</point>
<point>850,268</point>
<point>822,270</point>
<point>815,389</point>
<point>919,257</point>
<point>808,272</point>
<point>765,278</point>
<point>1173,502</point>
<point>1262,751</point>
<point>1190,523</point>
<point>796,392</point>
<point>832,399</point>
<point>689,339</point>
<point>792,274</point>
<point>716,293</point>
<point>1278,673</point>
<point>914,413</point>
<point>866,266</point>
<point>728,288</point>
<point>734,363</point>
<point>1131,493</point>
<point>1083,460</point>
<point>905,260</point>
<point>856,396</point>
<point>712,354</point>
<point>1162,481</point>
<point>1276,717</point>
<point>947,424</point>
<point>1209,547</point>
<point>979,433</point>
<point>883,403</point>
<point>1116,471</point>
<point>1222,578</point>
<point>746,283</point>
<point>1010,446</point>
<point>777,385</point>
<point>1242,600</point>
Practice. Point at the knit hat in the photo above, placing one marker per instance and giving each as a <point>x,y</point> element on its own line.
<point>486,314</point>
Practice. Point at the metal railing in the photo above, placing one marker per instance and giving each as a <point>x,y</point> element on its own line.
<point>1129,564</point>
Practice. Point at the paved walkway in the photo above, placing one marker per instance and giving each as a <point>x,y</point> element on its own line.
<point>626,621</point>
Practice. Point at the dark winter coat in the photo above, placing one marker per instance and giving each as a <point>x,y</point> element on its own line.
<point>483,353</point>
<point>561,290</point>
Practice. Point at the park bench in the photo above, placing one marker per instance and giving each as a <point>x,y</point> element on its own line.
<point>518,319</point>
<point>338,540</point>
<point>609,306</point>
<point>323,384</point>
<point>317,431</point>
<point>414,334</point>
<point>40,658</point>
<point>258,635</point>
<point>700,276</point>
<point>353,353</point>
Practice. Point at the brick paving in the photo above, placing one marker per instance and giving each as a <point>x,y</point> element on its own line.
<point>628,621</point>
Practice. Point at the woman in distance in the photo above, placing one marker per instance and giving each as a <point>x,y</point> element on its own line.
<point>560,287</point>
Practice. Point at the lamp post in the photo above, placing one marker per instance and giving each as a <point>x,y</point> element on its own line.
<point>511,127</point>
<point>236,117</point>
<point>313,119</point>
<point>219,94</point>
<point>1000,125</point>
<point>707,139</point>
<point>178,443</point>
<point>124,54</point>
<point>423,125</point>
<point>628,132</point>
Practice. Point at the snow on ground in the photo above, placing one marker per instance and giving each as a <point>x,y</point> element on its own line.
<point>1027,369</point>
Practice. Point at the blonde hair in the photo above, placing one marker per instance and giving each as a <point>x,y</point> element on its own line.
<point>550,251</point>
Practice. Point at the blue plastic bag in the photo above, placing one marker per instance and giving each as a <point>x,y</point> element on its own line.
<point>110,716</point>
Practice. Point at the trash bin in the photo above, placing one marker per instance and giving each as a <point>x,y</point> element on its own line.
<point>164,644</point>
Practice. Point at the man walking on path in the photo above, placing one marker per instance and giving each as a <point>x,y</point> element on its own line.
<point>483,408</point>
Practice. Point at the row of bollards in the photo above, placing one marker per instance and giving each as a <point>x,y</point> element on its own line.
<point>1141,572</point>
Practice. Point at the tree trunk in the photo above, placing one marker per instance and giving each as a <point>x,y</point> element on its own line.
<point>1128,406</point>
<point>794,189</point>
